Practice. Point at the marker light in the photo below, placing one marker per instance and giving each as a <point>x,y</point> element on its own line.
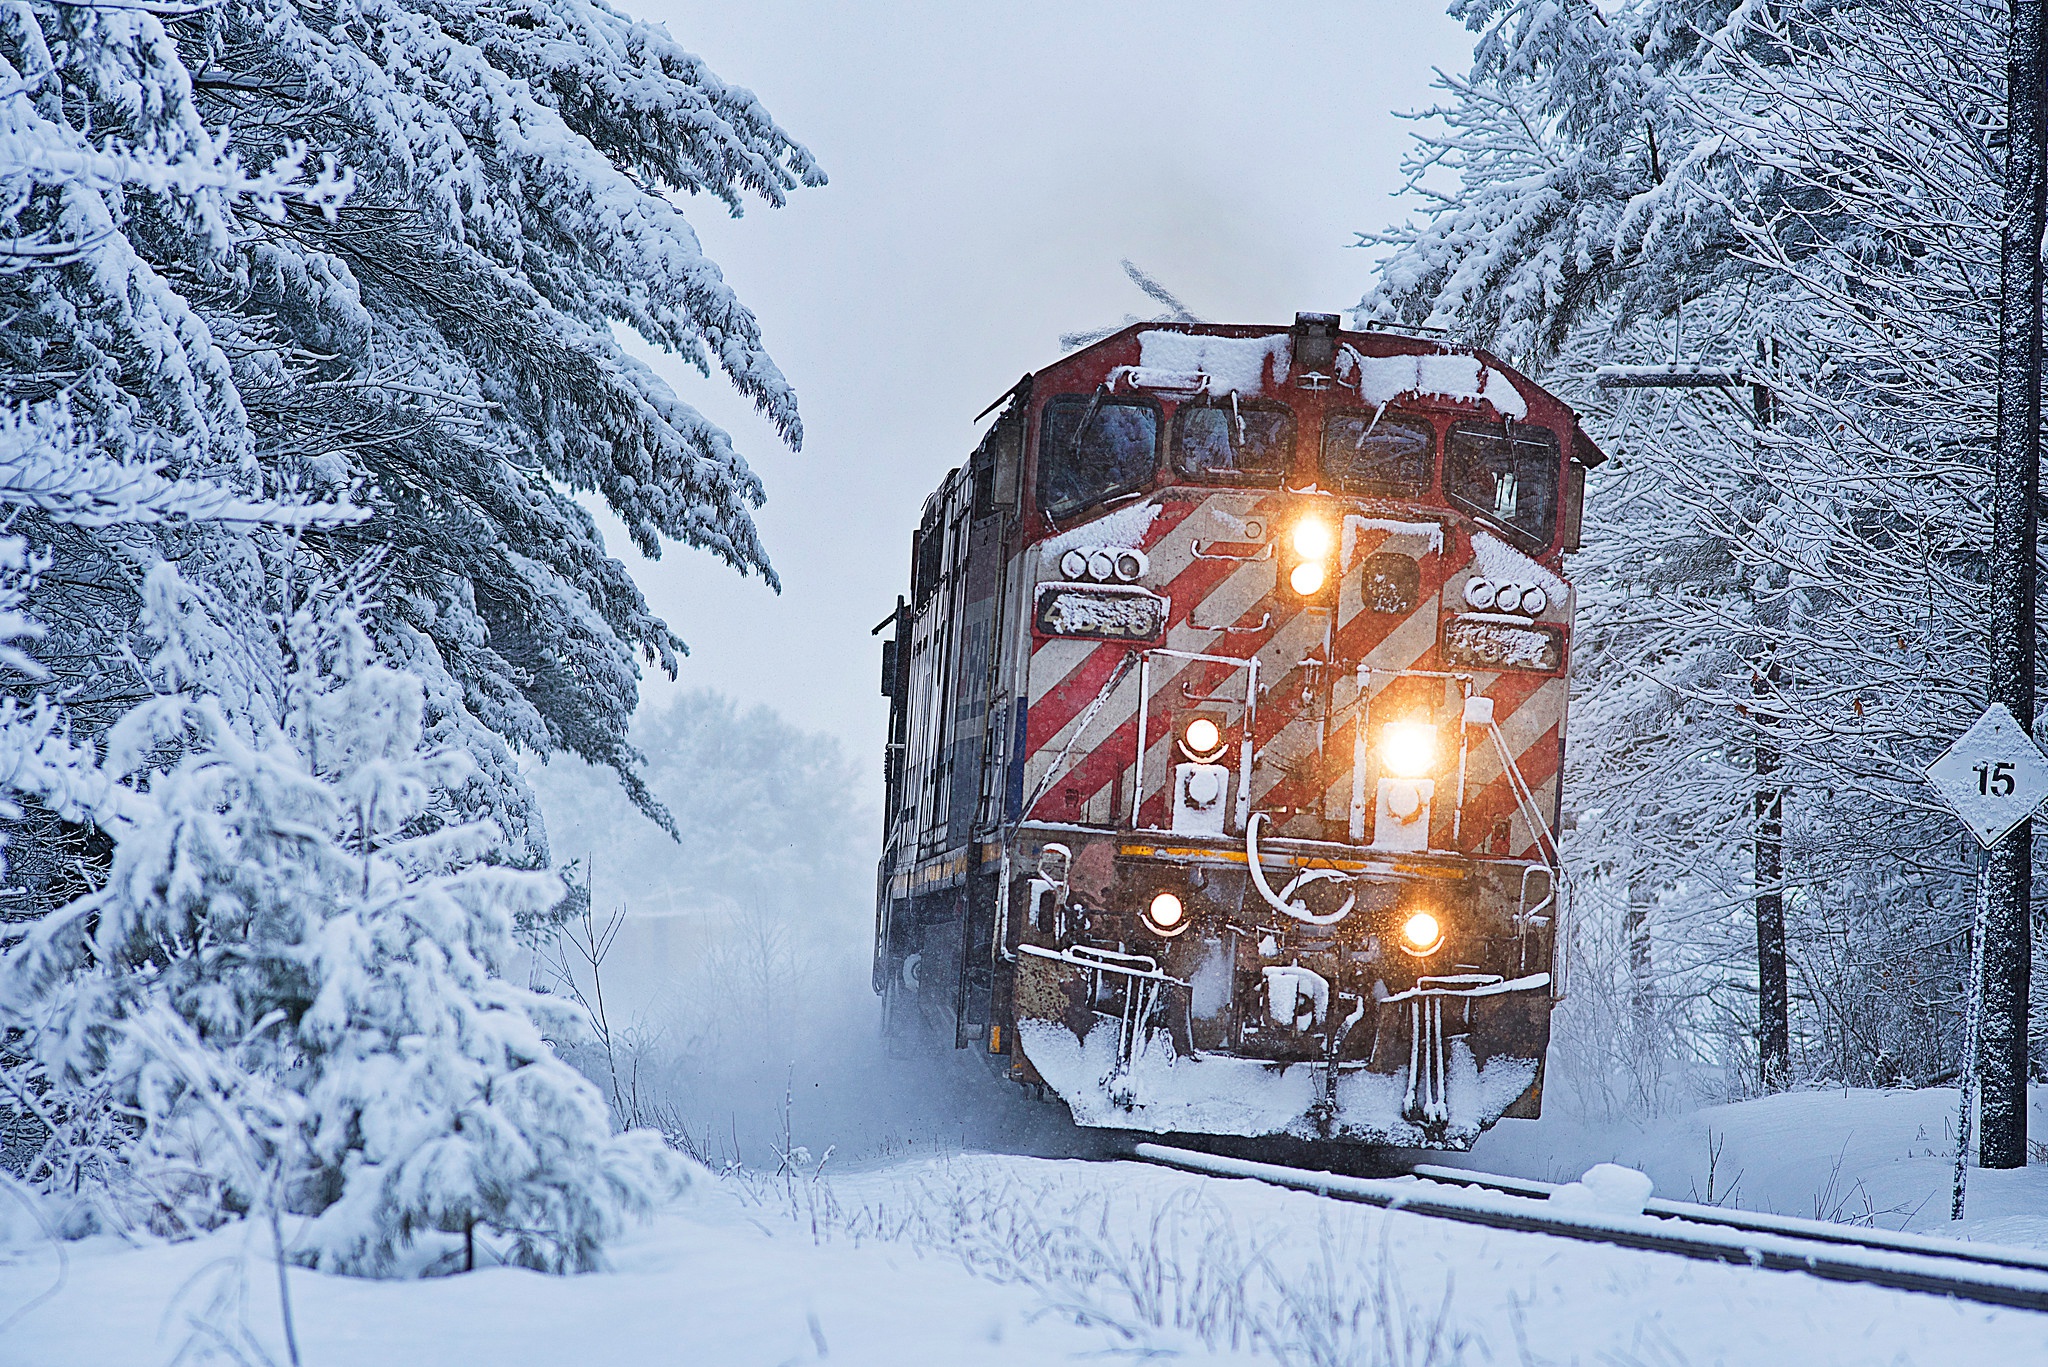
<point>1307,578</point>
<point>1408,748</point>
<point>1422,934</point>
<point>1312,538</point>
<point>1202,737</point>
<point>1165,914</point>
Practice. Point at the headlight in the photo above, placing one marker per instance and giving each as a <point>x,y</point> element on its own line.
<point>1408,748</point>
<point>1166,914</point>
<point>1202,738</point>
<point>1478,594</point>
<point>1422,934</point>
<point>1313,539</point>
<point>1307,578</point>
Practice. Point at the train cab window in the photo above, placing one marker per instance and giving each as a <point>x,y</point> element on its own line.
<point>1378,453</point>
<point>1233,442</point>
<point>1507,474</point>
<point>1092,447</point>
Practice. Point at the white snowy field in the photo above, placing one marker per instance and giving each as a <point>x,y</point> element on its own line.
<point>979,1258</point>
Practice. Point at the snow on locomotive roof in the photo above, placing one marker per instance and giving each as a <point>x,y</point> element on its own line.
<point>1452,375</point>
<point>1234,365</point>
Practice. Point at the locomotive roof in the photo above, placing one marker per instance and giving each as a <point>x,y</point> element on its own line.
<point>1123,348</point>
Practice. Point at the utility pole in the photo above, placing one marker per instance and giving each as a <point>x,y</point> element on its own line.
<point>1767,804</point>
<point>1773,989</point>
<point>2016,480</point>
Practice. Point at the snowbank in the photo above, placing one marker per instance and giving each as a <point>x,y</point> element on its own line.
<point>1095,1260</point>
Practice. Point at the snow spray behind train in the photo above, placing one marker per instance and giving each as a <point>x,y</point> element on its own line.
<point>1227,713</point>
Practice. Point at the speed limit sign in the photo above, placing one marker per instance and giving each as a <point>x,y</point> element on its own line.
<point>1994,776</point>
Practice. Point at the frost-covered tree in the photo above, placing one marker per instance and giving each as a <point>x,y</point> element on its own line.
<point>768,895</point>
<point>1806,193</point>
<point>428,325</point>
<point>288,992</point>
<point>262,838</point>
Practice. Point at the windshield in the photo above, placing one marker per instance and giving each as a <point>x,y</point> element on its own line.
<point>1091,447</point>
<point>1508,474</point>
<point>1378,453</point>
<point>1234,442</point>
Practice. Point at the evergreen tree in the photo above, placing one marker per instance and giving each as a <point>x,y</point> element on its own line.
<point>426,324</point>
<point>288,991</point>
<point>245,382</point>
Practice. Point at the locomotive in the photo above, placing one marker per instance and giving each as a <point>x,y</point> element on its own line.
<point>1227,713</point>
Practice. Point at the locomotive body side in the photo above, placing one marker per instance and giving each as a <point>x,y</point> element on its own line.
<point>1227,718</point>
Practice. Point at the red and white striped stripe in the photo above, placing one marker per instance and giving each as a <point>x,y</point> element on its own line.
<point>1230,607</point>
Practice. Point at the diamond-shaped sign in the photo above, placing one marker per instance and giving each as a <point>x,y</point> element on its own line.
<point>1994,776</point>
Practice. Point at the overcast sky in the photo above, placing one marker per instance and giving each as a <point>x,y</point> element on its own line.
<point>990,166</point>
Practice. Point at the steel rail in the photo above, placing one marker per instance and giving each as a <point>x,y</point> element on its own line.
<point>1505,1203</point>
<point>1793,1226</point>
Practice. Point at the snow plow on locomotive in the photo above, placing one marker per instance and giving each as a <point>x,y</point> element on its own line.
<point>1227,718</point>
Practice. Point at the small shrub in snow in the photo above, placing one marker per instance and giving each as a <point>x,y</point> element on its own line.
<point>287,993</point>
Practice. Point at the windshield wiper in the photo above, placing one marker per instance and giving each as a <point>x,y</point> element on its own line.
<point>1087,418</point>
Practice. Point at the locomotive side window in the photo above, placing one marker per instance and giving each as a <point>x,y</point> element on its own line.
<point>1233,442</point>
<point>1507,474</point>
<point>1091,447</point>
<point>1378,453</point>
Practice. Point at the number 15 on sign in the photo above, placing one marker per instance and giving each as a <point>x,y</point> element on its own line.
<point>1995,779</point>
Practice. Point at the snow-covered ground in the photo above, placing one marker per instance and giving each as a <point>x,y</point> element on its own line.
<point>1856,1156</point>
<point>980,1258</point>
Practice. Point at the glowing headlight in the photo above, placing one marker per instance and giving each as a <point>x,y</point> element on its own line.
<point>1307,578</point>
<point>1313,539</point>
<point>1166,914</point>
<point>1422,934</point>
<point>1203,737</point>
<point>1408,748</point>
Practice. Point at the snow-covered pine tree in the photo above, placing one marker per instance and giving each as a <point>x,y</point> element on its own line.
<point>288,992</point>
<point>438,339</point>
<point>446,335</point>
<point>168,1050</point>
<point>118,419</point>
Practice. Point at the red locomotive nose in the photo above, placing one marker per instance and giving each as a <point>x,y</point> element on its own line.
<point>1226,713</point>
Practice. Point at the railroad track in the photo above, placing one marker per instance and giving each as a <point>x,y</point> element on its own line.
<point>1902,1262</point>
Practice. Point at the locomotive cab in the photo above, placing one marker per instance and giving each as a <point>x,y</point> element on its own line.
<point>1228,708</point>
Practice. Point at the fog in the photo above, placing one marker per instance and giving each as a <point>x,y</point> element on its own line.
<point>723,978</point>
